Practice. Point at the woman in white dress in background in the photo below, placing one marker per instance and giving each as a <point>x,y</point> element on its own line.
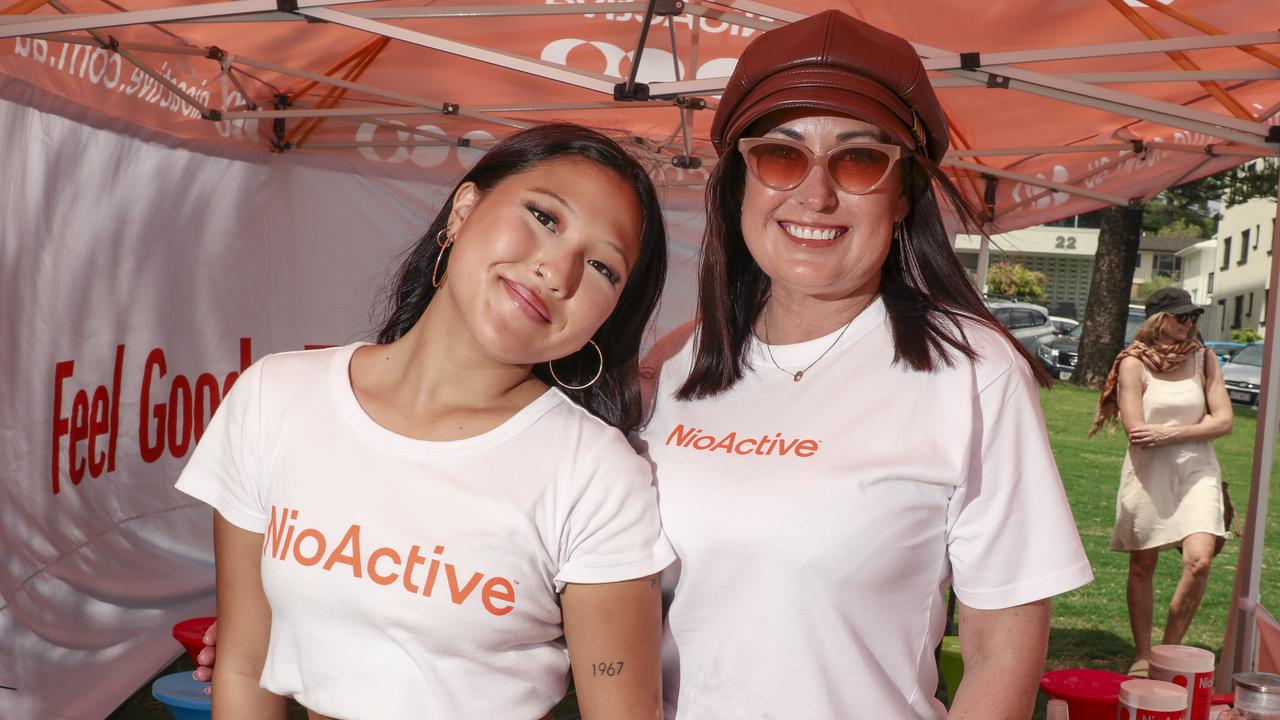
<point>1166,389</point>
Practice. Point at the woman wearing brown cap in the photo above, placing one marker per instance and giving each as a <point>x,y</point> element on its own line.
<point>846,429</point>
<point>1170,485</point>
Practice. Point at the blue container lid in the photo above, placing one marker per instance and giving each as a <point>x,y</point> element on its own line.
<point>182,691</point>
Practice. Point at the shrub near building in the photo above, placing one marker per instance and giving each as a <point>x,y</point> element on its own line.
<point>1015,281</point>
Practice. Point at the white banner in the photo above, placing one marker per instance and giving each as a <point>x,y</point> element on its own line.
<point>139,281</point>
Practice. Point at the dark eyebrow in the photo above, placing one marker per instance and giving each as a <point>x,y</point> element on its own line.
<point>788,132</point>
<point>557,197</point>
<point>879,135</point>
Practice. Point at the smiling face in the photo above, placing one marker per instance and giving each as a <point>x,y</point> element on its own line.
<point>540,261</point>
<point>816,239</point>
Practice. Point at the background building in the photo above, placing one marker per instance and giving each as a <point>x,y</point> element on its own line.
<point>1237,281</point>
<point>1199,273</point>
<point>1065,255</point>
<point>1160,257</point>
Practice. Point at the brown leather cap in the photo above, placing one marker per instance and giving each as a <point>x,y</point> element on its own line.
<point>834,63</point>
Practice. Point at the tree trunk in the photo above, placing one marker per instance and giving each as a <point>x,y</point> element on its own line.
<point>1107,311</point>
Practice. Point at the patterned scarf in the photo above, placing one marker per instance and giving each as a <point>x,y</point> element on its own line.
<point>1157,358</point>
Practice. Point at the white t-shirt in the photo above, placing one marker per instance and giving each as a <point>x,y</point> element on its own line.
<point>816,523</point>
<point>419,579</point>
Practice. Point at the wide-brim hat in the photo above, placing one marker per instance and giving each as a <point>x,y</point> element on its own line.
<point>836,64</point>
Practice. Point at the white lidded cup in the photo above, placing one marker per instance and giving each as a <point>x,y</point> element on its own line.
<point>1190,668</point>
<point>1151,700</point>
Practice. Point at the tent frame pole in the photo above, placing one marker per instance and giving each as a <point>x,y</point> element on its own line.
<point>1121,103</point>
<point>1208,29</point>
<point>428,105</point>
<point>1038,182</point>
<point>98,21</point>
<point>1140,77</point>
<point>407,13</point>
<point>392,111</point>
<point>769,11</point>
<point>1182,60</point>
<point>1240,642</point>
<point>1197,148</point>
<point>1174,76</point>
<point>944,61</point>
<point>1210,149</point>
<point>537,68</point>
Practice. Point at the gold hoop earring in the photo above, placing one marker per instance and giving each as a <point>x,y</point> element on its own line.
<point>436,278</point>
<point>444,233</point>
<point>897,230</point>
<point>592,381</point>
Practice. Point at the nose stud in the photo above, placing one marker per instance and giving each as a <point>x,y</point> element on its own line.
<point>538,271</point>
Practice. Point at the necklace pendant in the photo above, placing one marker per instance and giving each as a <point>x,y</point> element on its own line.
<point>798,376</point>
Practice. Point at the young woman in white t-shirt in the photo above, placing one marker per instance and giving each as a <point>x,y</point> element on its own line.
<point>419,527</point>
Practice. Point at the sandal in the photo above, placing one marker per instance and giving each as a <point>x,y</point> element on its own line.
<point>1139,668</point>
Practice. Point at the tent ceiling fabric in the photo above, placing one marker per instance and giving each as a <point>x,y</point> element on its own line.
<point>1064,107</point>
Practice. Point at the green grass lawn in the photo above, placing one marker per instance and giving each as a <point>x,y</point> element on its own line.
<point>1091,625</point>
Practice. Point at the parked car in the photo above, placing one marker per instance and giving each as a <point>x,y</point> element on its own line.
<point>1063,325</point>
<point>1028,323</point>
<point>1243,374</point>
<point>1223,350</point>
<point>1059,355</point>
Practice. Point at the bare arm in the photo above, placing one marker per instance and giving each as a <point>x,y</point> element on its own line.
<point>244,620</point>
<point>1219,417</point>
<point>614,633</point>
<point>1218,420</point>
<point>1129,395</point>
<point>1003,653</point>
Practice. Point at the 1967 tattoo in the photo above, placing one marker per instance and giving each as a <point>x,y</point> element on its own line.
<point>606,669</point>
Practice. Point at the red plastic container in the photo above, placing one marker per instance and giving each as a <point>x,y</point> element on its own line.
<point>1090,694</point>
<point>191,634</point>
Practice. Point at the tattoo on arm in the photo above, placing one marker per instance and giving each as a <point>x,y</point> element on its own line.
<point>606,669</point>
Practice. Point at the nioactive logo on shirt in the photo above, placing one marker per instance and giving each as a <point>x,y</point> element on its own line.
<point>287,540</point>
<point>695,438</point>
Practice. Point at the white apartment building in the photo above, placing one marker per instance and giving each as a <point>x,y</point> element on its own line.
<point>1199,268</point>
<point>1159,257</point>
<point>1065,255</point>
<point>1199,271</point>
<point>1238,281</point>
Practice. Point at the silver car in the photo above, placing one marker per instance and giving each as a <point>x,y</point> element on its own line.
<point>1243,375</point>
<point>1063,325</point>
<point>1030,324</point>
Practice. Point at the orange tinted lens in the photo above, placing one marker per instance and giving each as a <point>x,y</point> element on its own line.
<point>856,169</point>
<point>779,166</point>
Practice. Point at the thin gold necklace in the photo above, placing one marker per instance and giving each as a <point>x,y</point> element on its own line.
<point>798,376</point>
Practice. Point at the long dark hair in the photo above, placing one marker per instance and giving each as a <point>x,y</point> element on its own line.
<point>615,397</point>
<point>926,291</point>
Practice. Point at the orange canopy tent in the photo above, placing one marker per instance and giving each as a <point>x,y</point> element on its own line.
<point>1055,108</point>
